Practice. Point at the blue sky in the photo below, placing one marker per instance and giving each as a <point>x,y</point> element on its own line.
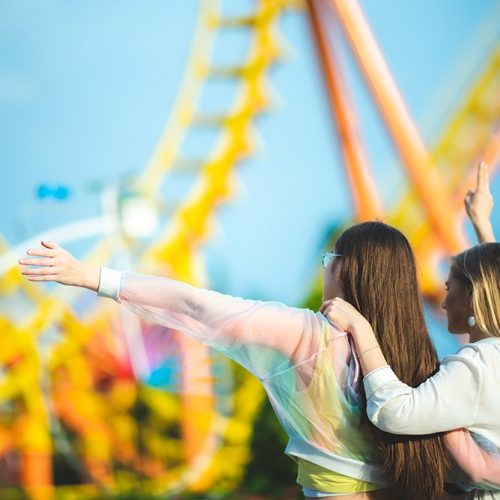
<point>86,89</point>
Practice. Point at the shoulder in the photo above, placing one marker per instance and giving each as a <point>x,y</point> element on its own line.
<point>483,348</point>
<point>330,330</point>
<point>477,356</point>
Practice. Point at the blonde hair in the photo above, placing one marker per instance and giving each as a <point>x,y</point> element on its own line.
<point>479,269</point>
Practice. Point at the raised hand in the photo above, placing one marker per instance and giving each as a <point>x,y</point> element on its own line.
<point>479,204</point>
<point>57,264</point>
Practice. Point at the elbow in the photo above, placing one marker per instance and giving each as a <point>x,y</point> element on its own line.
<point>190,307</point>
<point>387,422</point>
<point>475,477</point>
<point>474,473</point>
<point>383,425</point>
<point>396,415</point>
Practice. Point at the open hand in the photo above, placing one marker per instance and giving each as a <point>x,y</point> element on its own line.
<point>57,264</point>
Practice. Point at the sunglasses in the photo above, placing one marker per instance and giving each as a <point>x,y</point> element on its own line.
<point>329,257</point>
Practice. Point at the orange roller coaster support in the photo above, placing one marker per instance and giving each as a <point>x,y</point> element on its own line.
<point>364,192</point>
<point>416,159</point>
<point>427,252</point>
<point>37,475</point>
<point>198,401</point>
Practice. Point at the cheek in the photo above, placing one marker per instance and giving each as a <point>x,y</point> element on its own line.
<point>328,285</point>
<point>456,313</point>
<point>450,303</point>
<point>336,283</point>
<point>446,301</point>
<point>331,284</point>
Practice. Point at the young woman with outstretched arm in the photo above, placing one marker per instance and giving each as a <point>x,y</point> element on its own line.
<point>307,365</point>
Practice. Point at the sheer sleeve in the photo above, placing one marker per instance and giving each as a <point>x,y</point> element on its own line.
<point>481,463</point>
<point>261,336</point>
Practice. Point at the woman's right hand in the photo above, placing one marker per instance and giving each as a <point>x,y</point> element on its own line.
<point>348,318</point>
<point>344,315</point>
<point>479,204</point>
<point>57,264</point>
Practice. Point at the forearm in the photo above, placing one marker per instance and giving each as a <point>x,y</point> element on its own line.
<point>479,464</point>
<point>155,292</point>
<point>484,231</point>
<point>90,277</point>
<point>369,354</point>
<point>202,314</point>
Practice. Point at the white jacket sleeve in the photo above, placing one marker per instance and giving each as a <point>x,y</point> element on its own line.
<point>264,337</point>
<point>448,400</point>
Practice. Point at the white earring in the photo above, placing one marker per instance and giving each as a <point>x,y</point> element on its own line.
<point>471,320</point>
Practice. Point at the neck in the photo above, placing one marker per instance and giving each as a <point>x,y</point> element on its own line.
<point>475,334</point>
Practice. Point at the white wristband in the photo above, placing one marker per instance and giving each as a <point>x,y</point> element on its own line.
<point>110,283</point>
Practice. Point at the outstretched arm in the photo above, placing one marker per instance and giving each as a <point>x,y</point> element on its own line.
<point>230,324</point>
<point>479,204</point>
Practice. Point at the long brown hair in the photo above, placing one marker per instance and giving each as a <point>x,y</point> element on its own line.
<point>379,278</point>
<point>479,269</point>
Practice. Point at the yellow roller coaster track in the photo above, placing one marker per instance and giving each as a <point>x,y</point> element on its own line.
<point>176,250</point>
<point>468,137</point>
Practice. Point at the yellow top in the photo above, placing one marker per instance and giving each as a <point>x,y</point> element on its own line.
<point>323,388</point>
<point>318,478</point>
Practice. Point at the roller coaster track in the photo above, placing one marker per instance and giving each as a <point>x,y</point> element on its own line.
<point>470,136</point>
<point>202,459</point>
<point>59,380</point>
